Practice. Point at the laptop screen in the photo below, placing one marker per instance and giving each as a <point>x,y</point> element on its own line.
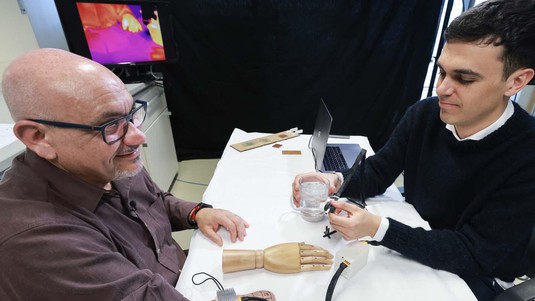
<point>330,157</point>
<point>320,136</point>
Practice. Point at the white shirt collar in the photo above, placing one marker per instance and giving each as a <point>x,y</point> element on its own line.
<point>509,110</point>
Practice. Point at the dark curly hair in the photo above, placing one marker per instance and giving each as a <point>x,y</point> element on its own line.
<point>507,23</point>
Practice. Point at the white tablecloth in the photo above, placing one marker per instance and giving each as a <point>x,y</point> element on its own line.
<point>256,184</point>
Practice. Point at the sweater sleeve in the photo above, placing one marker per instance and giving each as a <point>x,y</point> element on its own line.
<point>489,241</point>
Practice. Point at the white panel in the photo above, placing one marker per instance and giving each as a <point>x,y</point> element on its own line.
<point>159,152</point>
<point>46,24</point>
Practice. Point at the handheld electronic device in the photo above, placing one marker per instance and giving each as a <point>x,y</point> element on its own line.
<point>358,161</point>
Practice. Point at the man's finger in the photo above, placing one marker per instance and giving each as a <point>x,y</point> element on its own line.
<point>230,226</point>
<point>212,235</point>
<point>241,226</point>
<point>346,206</point>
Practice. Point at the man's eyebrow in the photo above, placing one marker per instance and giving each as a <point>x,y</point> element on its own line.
<point>108,116</point>
<point>114,115</point>
<point>463,72</point>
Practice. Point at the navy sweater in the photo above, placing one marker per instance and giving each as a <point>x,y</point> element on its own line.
<point>478,196</point>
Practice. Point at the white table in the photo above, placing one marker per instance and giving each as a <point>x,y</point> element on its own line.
<point>256,184</point>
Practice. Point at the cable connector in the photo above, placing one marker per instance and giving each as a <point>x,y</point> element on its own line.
<point>351,259</point>
<point>228,294</point>
<point>354,255</point>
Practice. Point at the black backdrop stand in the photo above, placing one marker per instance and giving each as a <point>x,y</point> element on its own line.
<point>262,66</point>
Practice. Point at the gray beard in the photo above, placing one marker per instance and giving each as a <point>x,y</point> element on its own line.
<point>121,174</point>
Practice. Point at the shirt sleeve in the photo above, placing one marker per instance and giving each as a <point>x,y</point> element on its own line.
<point>47,257</point>
<point>381,231</point>
<point>178,211</point>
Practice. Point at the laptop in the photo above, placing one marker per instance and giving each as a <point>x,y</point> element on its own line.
<point>330,157</point>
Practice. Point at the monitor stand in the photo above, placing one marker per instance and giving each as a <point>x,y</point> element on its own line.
<point>140,78</point>
<point>135,74</point>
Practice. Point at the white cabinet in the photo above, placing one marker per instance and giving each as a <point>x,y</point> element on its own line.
<point>158,153</point>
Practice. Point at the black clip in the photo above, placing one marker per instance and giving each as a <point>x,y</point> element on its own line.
<point>327,233</point>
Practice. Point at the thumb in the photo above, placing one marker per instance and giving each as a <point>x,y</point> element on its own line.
<point>212,235</point>
<point>332,188</point>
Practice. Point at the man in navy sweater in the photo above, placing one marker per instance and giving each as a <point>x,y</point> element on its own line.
<point>468,157</point>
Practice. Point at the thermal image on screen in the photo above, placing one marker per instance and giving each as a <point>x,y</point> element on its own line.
<point>121,33</point>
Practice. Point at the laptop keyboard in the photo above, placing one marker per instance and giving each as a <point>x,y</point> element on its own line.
<point>333,159</point>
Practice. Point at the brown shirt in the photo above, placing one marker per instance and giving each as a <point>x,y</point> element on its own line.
<point>64,239</point>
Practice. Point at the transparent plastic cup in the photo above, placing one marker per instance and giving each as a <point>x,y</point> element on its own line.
<point>314,191</point>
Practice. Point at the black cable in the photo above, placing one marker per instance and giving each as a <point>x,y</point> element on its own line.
<point>362,181</point>
<point>220,286</point>
<point>210,277</point>
<point>330,290</point>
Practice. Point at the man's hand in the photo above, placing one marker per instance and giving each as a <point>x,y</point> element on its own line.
<point>209,220</point>
<point>333,180</point>
<point>357,224</point>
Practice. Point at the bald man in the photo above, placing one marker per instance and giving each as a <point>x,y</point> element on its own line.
<point>81,219</point>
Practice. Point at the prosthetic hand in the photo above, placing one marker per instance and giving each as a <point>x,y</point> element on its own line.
<point>285,258</point>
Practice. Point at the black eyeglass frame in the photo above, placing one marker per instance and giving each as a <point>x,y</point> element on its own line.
<point>101,128</point>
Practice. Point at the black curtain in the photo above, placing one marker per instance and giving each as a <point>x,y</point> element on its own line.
<point>262,66</point>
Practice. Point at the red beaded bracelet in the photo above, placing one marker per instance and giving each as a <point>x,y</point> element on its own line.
<point>195,210</point>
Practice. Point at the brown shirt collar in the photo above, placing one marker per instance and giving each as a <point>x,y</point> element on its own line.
<point>65,186</point>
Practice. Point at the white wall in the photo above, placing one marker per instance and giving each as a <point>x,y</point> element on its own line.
<point>17,37</point>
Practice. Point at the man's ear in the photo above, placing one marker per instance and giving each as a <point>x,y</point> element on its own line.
<point>518,80</point>
<point>33,135</point>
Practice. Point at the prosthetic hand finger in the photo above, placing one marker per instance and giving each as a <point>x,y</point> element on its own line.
<point>315,259</point>
<point>319,252</point>
<point>304,246</point>
<point>315,267</point>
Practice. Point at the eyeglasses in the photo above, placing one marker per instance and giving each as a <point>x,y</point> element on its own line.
<point>111,131</point>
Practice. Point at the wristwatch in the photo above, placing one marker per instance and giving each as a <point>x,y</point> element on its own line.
<point>194,211</point>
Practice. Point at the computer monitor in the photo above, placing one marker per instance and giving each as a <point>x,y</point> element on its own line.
<point>119,34</point>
